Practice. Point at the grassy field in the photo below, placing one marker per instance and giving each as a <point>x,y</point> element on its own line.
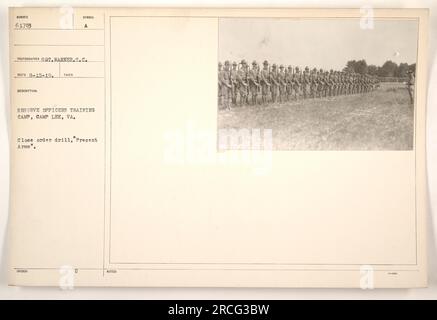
<point>379,120</point>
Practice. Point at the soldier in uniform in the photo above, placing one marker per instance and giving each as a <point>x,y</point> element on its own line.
<point>274,83</point>
<point>313,87</point>
<point>264,79</point>
<point>346,84</point>
<point>355,85</point>
<point>365,84</point>
<point>288,83</point>
<point>349,83</point>
<point>337,83</point>
<point>325,84</point>
<point>226,85</point>
<point>333,83</point>
<point>252,78</point>
<point>359,83</point>
<point>369,83</point>
<point>242,85</point>
<point>233,73</point>
<point>369,86</point>
<point>306,83</point>
<point>282,84</point>
<point>411,83</point>
<point>321,84</point>
<point>342,83</point>
<point>219,91</point>
<point>330,82</point>
<point>343,79</point>
<point>297,83</point>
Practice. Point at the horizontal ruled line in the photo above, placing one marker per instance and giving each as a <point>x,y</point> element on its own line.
<point>222,269</point>
<point>94,61</point>
<point>61,29</point>
<point>58,77</point>
<point>55,45</point>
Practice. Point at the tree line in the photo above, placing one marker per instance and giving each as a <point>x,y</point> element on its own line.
<point>388,69</point>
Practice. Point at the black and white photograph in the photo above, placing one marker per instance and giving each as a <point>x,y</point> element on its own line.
<point>308,171</point>
<point>319,84</point>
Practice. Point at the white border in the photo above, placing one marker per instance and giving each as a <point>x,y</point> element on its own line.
<point>221,293</point>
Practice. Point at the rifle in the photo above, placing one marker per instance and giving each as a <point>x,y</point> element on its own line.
<point>272,79</point>
<point>264,79</point>
<point>253,78</point>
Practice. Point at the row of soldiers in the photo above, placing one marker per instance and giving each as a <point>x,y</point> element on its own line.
<point>276,84</point>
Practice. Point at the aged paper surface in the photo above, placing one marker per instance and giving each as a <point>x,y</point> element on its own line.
<point>125,171</point>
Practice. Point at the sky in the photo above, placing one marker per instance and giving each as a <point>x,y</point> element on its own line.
<point>320,43</point>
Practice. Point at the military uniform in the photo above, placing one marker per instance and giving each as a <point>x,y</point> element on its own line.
<point>226,86</point>
<point>320,83</point>
<point>347,83</point>
<point>288,83</point>
<point>219,90</point>
<point>362,83</point>
<point>325,83</point>
<point>355,87</point>
<point>313,83</point>
<point>342,83</point>
<point>274,84</point>
<point>330,82</point>
<point>234,83</point>
<point>264,79</point>
<point>411,83</point>
<point>306,83</point>
<point>282,84</point>
<point>297,82</point>
<point>252,78</point>
<point>242,83</point>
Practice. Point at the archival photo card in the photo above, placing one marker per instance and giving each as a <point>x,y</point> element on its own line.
<point>167,147</point>
<point>317,83</point>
